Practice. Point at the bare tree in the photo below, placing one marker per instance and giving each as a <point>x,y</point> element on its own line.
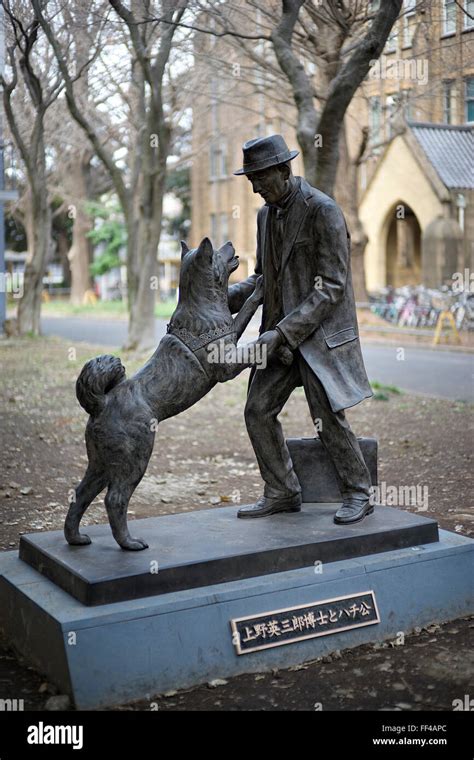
<point>76,174</point>
<point>341,39</point>
<point>140,188</point>
<point>344,72</point>
<point>39,92</point>
<point>346,38</point>
<point>79,177</point>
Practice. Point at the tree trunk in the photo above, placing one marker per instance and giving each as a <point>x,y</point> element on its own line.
<point>62,246</point>
<point>321,174</point>
<point>38,233</point>
<point>141,331</point>
<point>80,251</point>
<point>347,192</point>
<point>146,232</point>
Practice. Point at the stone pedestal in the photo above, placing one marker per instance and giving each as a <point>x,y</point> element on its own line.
<point>209,547</point>
<point>215,596</point>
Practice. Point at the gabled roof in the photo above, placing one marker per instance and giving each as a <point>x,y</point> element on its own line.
<point>450,150</point>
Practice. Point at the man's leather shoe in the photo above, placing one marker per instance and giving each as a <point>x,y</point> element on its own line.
<point>267,505</point>
<point>353,511</point>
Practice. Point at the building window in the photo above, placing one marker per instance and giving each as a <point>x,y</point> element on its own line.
<point>374,119</point>
<point>218,158</point>
<point>392,106</point>
<point>468,14</point>
<point>448,102</point>
<point>392,42</point>
<point>449,16</point>
<point>409,13</point>
<point>214,159</point>
<point>223,158</point>
<point>214,88</point>
<point>219,229</point>
<point>469,100</point>
<point>407,99</point>
<point>224,230</point>
<point>214,229</point>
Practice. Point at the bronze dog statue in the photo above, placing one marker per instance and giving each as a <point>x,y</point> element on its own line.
<point>124,413</point>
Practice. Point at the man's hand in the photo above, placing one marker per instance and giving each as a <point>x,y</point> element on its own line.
<point>272,339</point>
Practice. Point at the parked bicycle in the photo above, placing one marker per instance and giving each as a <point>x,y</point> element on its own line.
<point>417,306</point>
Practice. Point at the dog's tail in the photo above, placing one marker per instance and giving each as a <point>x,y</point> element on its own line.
<point>97,378</point>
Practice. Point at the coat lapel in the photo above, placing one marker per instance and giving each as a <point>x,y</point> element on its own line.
<point>264,237</point>
<point>264,241</point>
<point>296,215</point>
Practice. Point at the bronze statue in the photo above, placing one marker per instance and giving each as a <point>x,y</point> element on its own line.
<point>303,253</point>
<point>124,414</point>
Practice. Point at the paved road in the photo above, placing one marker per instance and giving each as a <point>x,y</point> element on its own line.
<point>446,374</point>
<point>102,332</point>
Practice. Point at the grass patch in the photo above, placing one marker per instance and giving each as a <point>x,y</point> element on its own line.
<point>378,396</point>
<point>376,386</point>
<point>164,309</point>
<point>381,391</point>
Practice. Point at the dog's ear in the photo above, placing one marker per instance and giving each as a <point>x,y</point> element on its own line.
<point>184,249</point>
<point>205,249</point>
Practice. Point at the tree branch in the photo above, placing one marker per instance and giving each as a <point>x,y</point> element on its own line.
<point>344,85</point>
<point>300,82</point>
<point>78,114</point>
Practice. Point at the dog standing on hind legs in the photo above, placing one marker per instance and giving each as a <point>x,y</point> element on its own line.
<point>124,413</point>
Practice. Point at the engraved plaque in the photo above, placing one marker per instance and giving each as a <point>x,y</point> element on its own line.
<point>292,624</point>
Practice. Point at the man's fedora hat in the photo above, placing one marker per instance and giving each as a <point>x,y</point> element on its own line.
<point>264,152</point>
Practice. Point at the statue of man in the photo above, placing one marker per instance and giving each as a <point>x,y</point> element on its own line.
<point>303,252</point>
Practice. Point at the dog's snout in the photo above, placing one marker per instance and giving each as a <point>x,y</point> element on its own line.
<point>228,250</point>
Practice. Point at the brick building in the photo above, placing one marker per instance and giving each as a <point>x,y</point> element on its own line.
<point>407,195</point>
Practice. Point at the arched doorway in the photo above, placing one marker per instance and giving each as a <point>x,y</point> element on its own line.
<point>402,247</point>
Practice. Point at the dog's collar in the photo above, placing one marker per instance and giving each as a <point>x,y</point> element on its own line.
<point>195,342</point>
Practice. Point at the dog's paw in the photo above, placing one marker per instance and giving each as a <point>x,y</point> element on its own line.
<point>80,539</point>
<point>257,294</point>
<point>134,544</point>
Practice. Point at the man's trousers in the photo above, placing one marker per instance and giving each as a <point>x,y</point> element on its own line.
<point>269,390</point>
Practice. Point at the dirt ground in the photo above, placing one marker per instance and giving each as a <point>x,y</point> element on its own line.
<point>203,459</point>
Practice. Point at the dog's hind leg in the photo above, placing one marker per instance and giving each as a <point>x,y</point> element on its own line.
<point>89,487</point>
<point>116,502</point>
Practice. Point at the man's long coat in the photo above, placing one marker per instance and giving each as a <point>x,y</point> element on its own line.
<point>318,302</point>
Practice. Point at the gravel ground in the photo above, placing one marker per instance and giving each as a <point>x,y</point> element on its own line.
<point>203,459</point>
